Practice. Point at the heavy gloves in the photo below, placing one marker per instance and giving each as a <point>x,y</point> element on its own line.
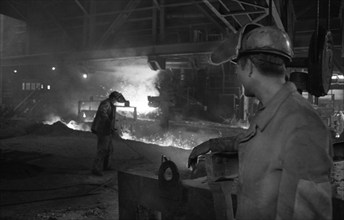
<point>197,151</point>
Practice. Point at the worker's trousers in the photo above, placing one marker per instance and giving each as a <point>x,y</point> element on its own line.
<point>104,153</point>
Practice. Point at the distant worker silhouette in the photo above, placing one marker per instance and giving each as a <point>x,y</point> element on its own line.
<point>104,127</point>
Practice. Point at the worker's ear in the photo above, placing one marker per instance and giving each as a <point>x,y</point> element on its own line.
<point>249,67</point>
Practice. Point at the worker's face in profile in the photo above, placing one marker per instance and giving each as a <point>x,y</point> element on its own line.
<point>242,70</point>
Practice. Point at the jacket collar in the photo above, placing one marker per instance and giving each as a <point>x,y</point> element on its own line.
<point>267,112</point>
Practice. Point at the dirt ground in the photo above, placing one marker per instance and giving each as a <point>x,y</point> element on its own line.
<point>45,172</point>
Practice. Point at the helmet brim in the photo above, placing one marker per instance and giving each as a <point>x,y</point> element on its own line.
<point>228,49</point>
<point>224,51</point>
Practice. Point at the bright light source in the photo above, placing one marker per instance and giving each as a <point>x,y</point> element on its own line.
<point>84,76</point>
<point>48,87</point>
<point>53,68</point>
<point>15,71</point>
<point>335,76</point>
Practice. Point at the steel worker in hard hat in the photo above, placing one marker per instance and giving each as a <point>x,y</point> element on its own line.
<point>104,127</point>
<point>285,155</point>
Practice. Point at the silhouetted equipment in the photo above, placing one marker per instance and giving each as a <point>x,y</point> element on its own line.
<point>154,101</point>
<point>156,62</point>
<point>87,110</point>
<point>320,62</point>
<point>143,194</point>
<point>320,56</point>
<point>168,175</point>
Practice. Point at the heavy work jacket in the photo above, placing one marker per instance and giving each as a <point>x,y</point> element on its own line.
<point>284,161</point>
<point>103,123</point>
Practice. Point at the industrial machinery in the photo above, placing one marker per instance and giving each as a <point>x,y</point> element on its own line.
<point>125,115</point>
<point>87,110</point>
<point>167,196</point>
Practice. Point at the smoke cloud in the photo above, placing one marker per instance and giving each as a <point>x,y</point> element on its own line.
<point>132,77</point>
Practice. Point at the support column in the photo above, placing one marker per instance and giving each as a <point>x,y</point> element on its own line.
<point>1,51</point>
<point>85,37</point>
<point>29,30</point>
<point>154,24</point>
<point>342,25</point>
<point>89,23</point>
<point>162,21</point>
<point>92,23</point>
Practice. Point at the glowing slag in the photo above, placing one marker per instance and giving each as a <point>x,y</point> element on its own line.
<point>167,139</point>
<point>71,124</point>
<point>175,138</point>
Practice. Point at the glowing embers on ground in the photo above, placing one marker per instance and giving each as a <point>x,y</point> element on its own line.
<point>71,124</point>
<point>184,136</point>
<point>176,138</point>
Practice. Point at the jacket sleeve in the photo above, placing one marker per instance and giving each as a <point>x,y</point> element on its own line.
<point>305,189</point>
<point>225,144</point>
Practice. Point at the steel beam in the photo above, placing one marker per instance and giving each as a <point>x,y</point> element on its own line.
<point>111,54</point>
<point>56,22</point>
<point>154,25</point>
<point>276,15</point>
<point>342,27</point>
<point>81,7</point>
<point>85,28</point>
<point>228,10</point>
<point>162,22</point>
<point>16,10</point>
<point>250,4</point>
<point>188,3</point>
<point>156,3</point>
<point>233,13</point>
<point>222,28</point>
<point>243,8</point>
<point>119,21</point>
<point>219,15</point>
<point>1,50</point>
<point>259,18</point>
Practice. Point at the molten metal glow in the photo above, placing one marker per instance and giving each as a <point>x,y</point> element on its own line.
<point>180,138</point>
<point>165,140</point>
<point>137,83</point>
<point>78,126</point>
<point>51,119</point>
<point>176,138</point>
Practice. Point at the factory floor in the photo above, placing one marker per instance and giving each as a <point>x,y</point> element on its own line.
<point>45,172</point>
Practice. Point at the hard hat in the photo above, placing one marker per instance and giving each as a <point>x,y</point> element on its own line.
<point>114,94</point>
<point>251,39</point>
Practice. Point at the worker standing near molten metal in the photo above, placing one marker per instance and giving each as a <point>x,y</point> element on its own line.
<point>104,127</point>
<point>284,157</point>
